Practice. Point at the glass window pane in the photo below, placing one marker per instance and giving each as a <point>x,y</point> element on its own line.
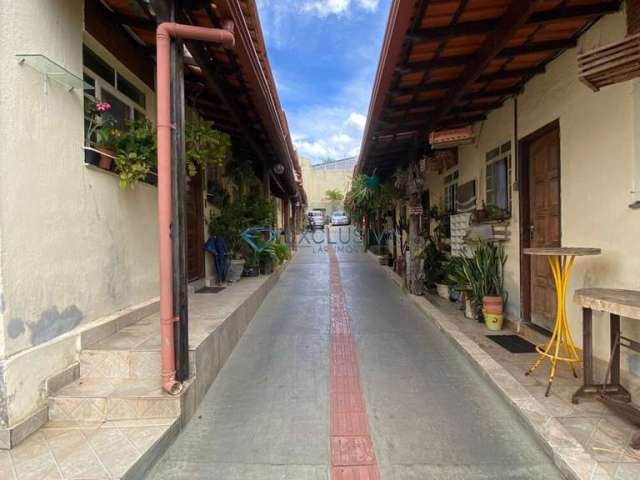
<point>131,91</point>
<point>120,112</point>
<point>98,66</point>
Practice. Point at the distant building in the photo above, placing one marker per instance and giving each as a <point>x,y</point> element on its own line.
<point>342,164</point>
<point>329,175</point>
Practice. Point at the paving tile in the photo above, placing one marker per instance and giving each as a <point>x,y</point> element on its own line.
<point>113,449</point>
<point>33,460</point>
<point>350,451</point>
<point>349,423</point>
<point>6,466</point>
<point>365,472</point>
<point>343,402</point>
<point>73,454</point>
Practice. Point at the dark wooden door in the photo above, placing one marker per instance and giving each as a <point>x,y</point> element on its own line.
<point>194,212</point>
<point>545,223</point>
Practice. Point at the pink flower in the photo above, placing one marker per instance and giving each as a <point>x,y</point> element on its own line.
<point>103,107</point>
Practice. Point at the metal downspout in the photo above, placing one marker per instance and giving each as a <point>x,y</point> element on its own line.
<point>164,33</point>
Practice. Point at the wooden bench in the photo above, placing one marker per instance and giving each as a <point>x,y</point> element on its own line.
<point>617,303</point>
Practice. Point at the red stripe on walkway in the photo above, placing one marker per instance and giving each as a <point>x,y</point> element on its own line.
<point>352,453</point>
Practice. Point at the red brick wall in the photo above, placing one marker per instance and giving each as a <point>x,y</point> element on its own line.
<point>633,16</point>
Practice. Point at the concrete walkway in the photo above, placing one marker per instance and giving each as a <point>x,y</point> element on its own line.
<point>267,415</point>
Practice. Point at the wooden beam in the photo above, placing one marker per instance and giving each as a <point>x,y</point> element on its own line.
<point>135,22</point>
<point>443,85</point>
<point>461,60</point>
<point>516,15</point>
<point>488,27</point>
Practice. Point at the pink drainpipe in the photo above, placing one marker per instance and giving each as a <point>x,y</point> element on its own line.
<point>163,43</point>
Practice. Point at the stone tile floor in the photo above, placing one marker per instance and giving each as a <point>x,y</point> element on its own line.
<point>89,436</point>
<point>604,435</point>
<point>83,450</point>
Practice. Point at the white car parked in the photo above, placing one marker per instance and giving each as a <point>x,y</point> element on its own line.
<point>339,218</point>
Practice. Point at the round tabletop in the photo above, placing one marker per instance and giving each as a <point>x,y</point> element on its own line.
<point>563,251</point>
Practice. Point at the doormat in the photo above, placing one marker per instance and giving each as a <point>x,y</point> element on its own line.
<point>210,289</point>
<point>513,343</point>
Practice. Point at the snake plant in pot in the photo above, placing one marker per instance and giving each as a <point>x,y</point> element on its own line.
<point>484,271</point>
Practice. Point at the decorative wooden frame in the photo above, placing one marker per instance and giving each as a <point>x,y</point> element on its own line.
<point>613,63</point>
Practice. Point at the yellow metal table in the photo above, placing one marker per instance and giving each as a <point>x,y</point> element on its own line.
<point>560,347</point>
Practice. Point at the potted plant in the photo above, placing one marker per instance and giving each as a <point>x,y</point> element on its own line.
<point>98,135</point>
<point>268,257</point>
<point>435,268</point>
<point>282,251</point>
<point>485,274</point>
<point>136,153</point>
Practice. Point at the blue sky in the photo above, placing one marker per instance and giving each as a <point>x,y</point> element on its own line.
<point>324,55</point>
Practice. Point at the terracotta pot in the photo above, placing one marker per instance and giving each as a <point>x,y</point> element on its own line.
<point>106,158</point>
<point>492,305</point>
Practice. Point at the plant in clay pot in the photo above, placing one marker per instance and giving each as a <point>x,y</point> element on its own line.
<point>97,135</point>
<point>485,274</point>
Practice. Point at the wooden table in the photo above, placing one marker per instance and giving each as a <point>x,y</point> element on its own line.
<point>561,261</point>
<point>617,303</point>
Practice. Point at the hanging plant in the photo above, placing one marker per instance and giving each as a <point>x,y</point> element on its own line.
<point>205,146</point>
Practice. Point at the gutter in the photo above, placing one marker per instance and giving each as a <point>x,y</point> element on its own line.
<point>164,33</point>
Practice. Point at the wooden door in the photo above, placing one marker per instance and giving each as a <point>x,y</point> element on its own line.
<point>544,221</point>
<point>194,213</point>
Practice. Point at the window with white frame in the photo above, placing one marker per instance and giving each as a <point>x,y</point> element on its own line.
<point>128,103</point>
<point>498,177</point>
<point>450,192</point>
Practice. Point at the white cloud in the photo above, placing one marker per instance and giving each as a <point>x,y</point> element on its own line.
<point>357,120</point>
<point>324,8</point>
<point>370,5</point>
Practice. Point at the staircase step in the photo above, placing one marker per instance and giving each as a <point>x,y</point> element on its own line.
<point>124,364</point>
<point>101,399</point>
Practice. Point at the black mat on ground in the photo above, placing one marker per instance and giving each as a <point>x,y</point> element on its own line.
<point>513,343</point>
<point>210,290</point>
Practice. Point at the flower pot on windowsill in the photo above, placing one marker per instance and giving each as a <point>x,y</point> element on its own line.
<point>107,157</point>
<point>91,156</point>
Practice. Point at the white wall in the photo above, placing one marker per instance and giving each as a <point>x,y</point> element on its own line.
<point>318,181</point>
<point>75,247</point>
<point>596,143</point>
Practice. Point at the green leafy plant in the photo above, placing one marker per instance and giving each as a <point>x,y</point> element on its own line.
<point>135,152</point>
<point>205,146</point>
<point>484,271</point>
<point>282,251</point>
<point>435,264</point>
<point>334,195</point>
<point>369,200</point>
<point>253,210</point>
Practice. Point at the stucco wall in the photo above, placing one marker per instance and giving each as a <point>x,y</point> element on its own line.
<point>597,166</point>
<point>318,181</point>
<point>75,247</point>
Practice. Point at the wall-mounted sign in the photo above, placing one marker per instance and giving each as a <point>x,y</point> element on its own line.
<point>415,210</point>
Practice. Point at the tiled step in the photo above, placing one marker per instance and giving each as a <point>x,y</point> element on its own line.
<point>100,399</point>
<point>124,449</point>
<point>124,364</point>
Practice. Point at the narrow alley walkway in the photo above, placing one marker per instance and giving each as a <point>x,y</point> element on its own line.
<point>430,415</point>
